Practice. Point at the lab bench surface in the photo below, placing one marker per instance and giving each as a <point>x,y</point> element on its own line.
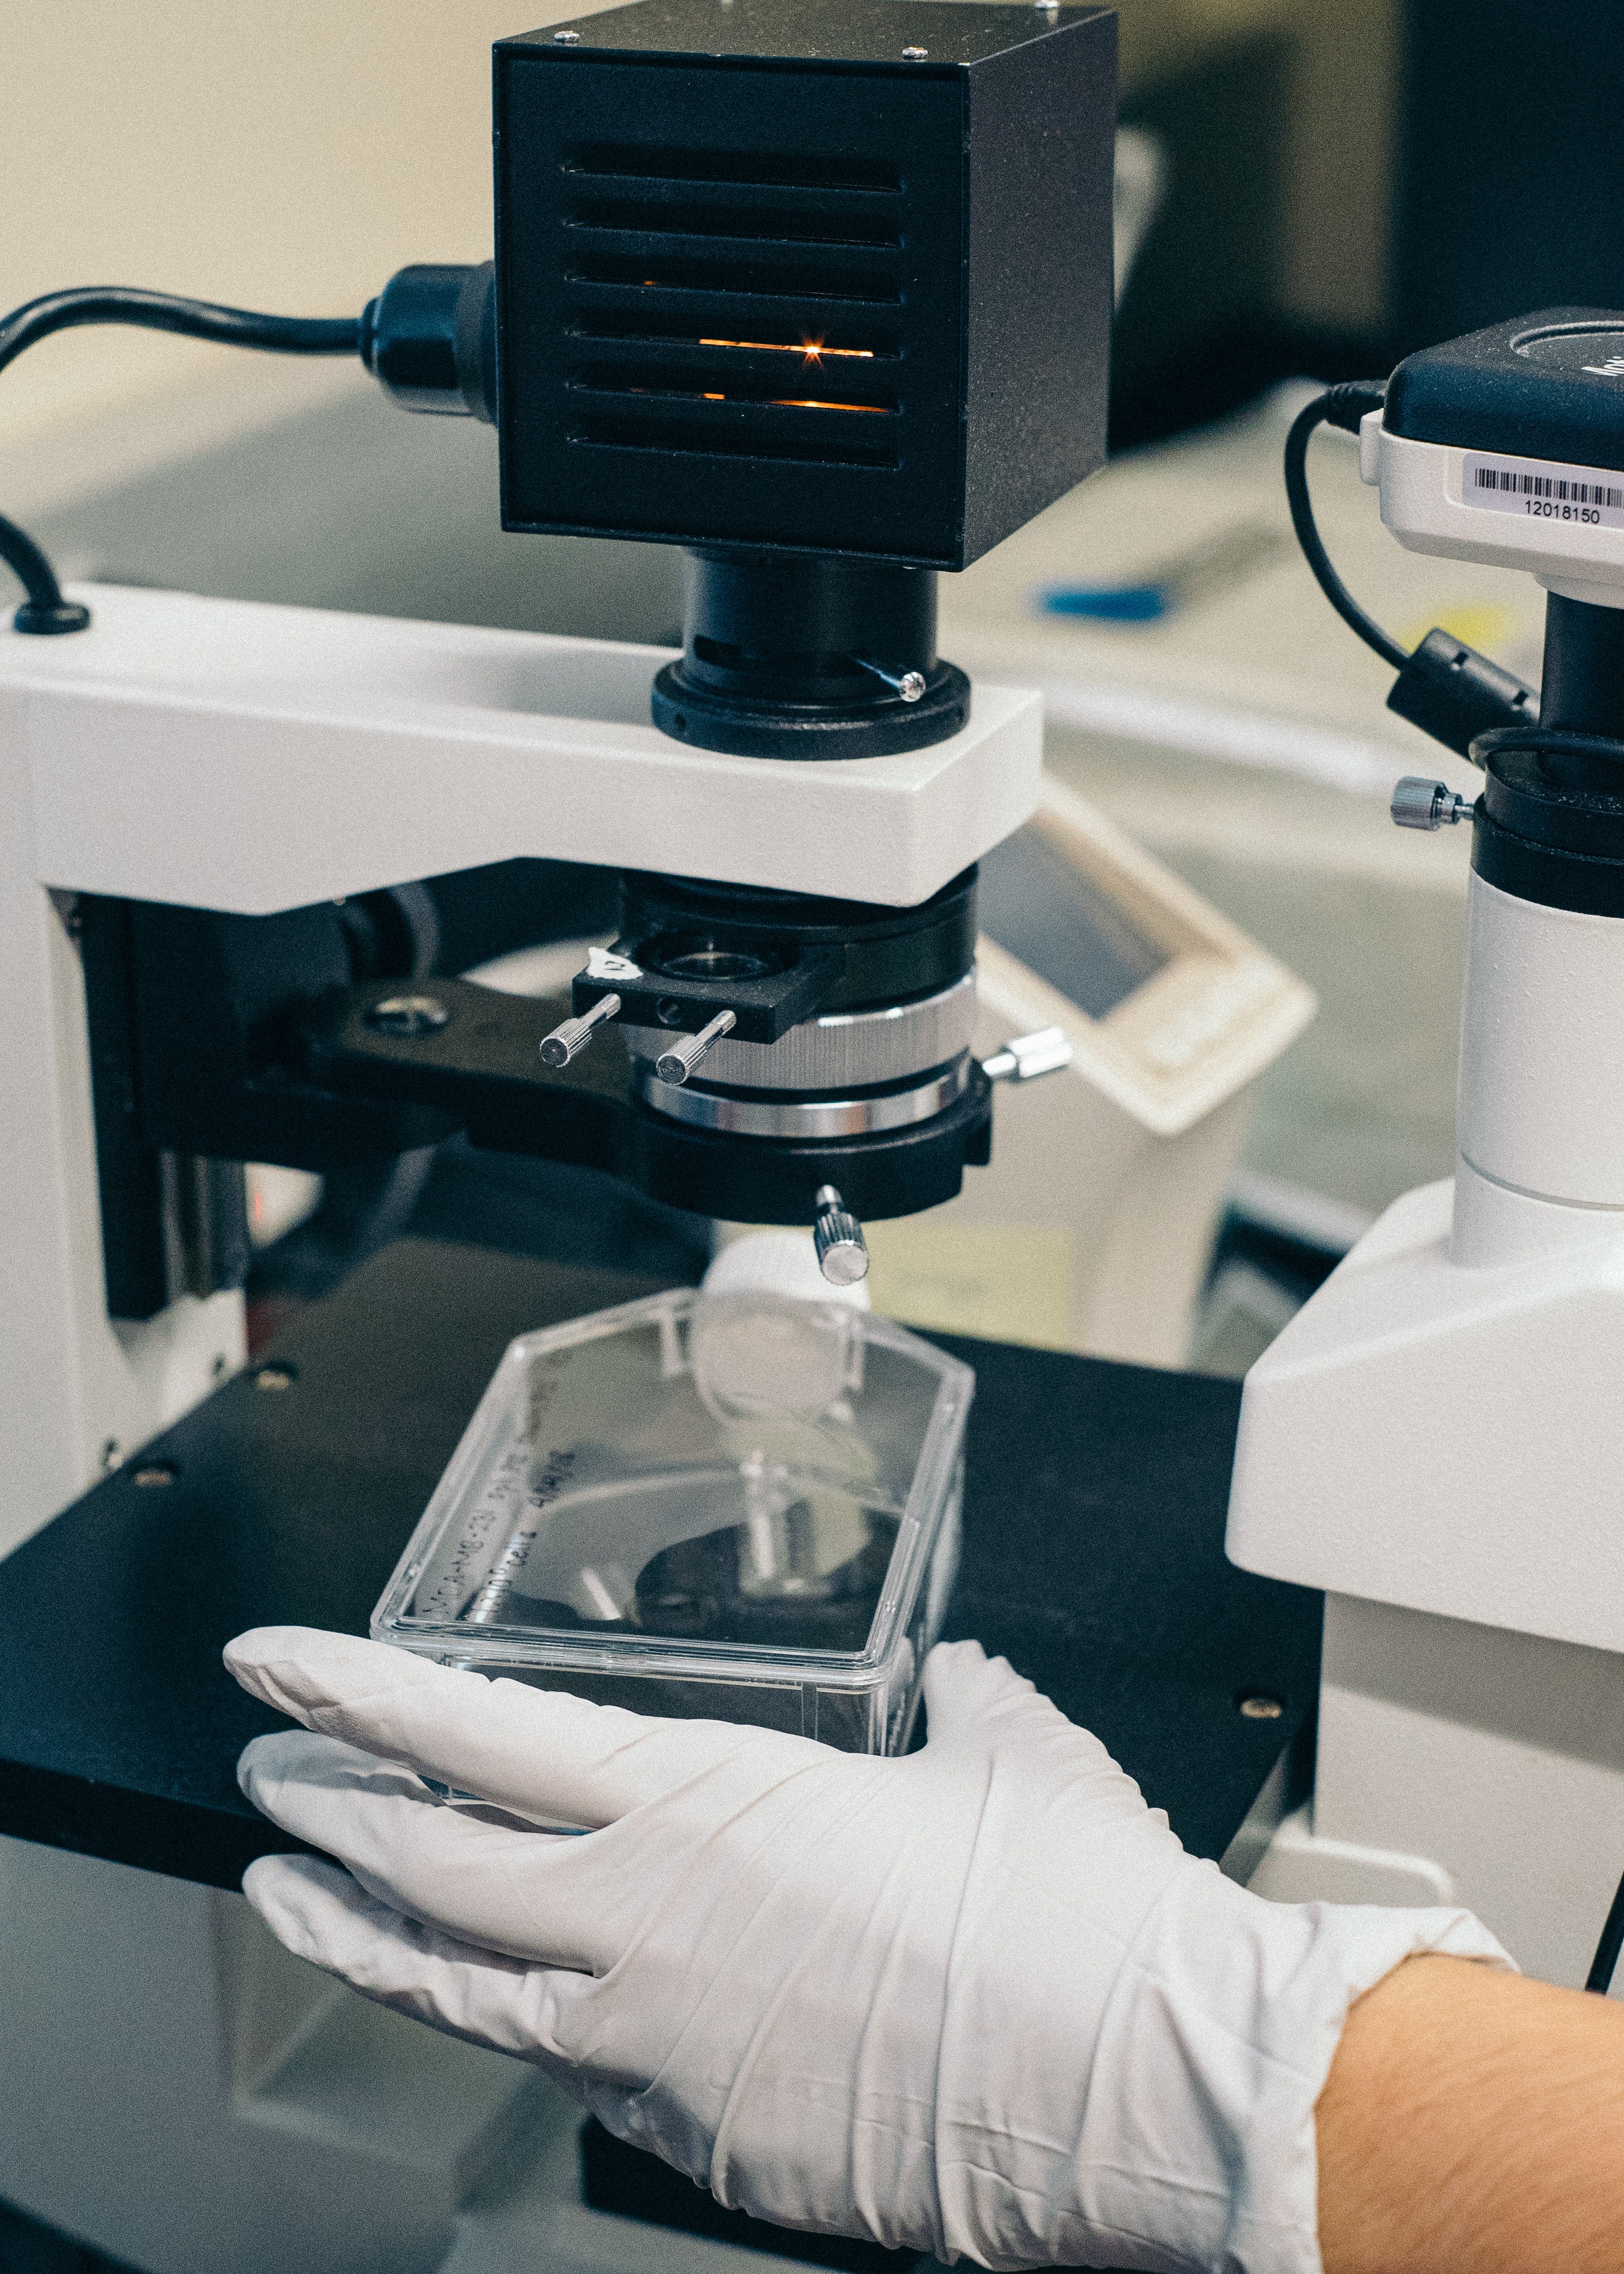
<point>1093,1557</point>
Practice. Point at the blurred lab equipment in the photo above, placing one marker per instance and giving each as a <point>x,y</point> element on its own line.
<point>1094,1230</point>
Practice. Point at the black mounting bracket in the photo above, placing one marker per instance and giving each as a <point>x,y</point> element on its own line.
<point>763,1007</point>
<point>480,1065</point>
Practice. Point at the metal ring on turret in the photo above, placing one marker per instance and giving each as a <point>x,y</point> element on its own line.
<point>739,1113</point>
<point>844,1051</point>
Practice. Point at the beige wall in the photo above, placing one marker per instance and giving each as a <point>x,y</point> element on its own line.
<point>287,155</point>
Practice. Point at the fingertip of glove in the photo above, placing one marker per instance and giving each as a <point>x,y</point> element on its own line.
<point>304,1670</point>
<point>293,1893</point>
<point>961,1672</point>
<point>269,1760</point>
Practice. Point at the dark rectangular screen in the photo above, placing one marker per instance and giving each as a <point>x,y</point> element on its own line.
<point>1032,902</point>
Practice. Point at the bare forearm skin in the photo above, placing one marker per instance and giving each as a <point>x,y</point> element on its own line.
<point>1473,2123</point>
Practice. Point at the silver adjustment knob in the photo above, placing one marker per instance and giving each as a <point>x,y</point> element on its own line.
<point>1025,1056</point>
<point>568,1041</point>
<point>842,1251</point>
<point>1420,804</point>
<point>676,1064</point>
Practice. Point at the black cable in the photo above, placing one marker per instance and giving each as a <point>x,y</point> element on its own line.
<point>45,610</point>
<point>1605,1963</point>
<point>1563,740</point>
<point>1343,406</point>
<point>164,312</point>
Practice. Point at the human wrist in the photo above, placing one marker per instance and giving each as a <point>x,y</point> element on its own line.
<point>1199,2139</point>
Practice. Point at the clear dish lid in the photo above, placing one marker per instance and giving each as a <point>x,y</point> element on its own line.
<point>691,1483</point>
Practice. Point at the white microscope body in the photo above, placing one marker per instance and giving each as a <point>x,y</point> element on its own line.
<point>1435,1439</point>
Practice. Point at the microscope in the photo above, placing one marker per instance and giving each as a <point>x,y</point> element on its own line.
<point>821,293</point>
<point>1432,1439</point>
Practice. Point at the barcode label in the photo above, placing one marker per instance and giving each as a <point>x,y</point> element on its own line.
<point>1540,491</point>
<point>1547,485</point>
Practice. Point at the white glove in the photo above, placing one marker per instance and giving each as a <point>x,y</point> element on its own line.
<point>976,2001</point>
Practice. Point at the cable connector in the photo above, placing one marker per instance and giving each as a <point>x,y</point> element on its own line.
<point>1454,694</point>
<point>1350,402</point>
<point>429,339</point>
<point>44,609</point>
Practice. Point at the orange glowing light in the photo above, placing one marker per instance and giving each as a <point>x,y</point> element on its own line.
<point>790,403</point>
<point>809,350</point>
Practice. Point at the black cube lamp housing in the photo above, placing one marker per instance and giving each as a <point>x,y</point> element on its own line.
<point>820,289</point>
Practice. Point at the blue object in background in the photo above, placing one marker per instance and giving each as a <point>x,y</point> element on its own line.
<point>1208,567</point>
<point>1108,604</point>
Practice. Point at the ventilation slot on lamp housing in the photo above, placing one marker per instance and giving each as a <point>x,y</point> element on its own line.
<point>722,305</point>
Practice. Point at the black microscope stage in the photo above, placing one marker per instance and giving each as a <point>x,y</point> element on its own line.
<point>1093,1557</point>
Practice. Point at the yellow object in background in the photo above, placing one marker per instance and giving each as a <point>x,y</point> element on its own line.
<point>1487,625</point>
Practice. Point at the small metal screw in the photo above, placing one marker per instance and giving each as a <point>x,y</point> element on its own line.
<point>407,1015</point>
<point>915,54</point>
<point>567,39</point>
<point>1261,1709</point>
<point>153,1473</point>
<point>276,1376</point>
<point>909,684</point>
<point>1025,1056</point>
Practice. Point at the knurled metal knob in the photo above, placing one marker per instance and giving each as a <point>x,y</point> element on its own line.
<point>1421,804</point>
<point>676,1064</point>
<point>567,1040</point>
<point>837,1236</point>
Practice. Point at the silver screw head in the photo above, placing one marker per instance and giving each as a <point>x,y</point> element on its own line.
<point>912,55</point>
<point>911,686</point>
<point>567,39</point>
<point>843,1262</point>
<point>407,1015</point>
<point>1025,1056</point>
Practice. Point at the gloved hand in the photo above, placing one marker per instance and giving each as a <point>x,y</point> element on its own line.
<point>977,2001</point>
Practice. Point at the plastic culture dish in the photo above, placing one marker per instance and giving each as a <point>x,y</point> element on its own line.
<point>740,1506</point>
